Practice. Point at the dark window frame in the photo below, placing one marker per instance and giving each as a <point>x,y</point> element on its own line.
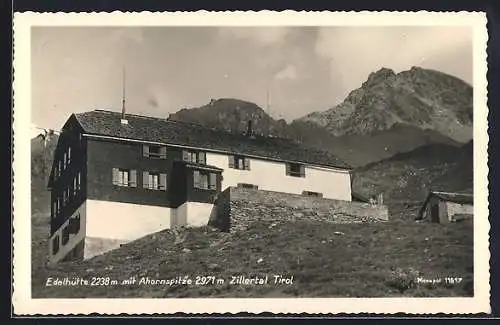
<point>55,245</point>
<point>162,180</point>
<point>65,235</point>
<point>295,169</point>
<point>118,177</point>
<point>194,156</point>
<point>199,178</point>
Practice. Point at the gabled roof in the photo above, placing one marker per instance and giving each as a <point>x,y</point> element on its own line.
<point>143,128</point>
<point>462,198</point>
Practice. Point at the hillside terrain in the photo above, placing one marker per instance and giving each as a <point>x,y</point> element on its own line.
<point>406,178</point>
<point>41,163</point>
<point>325,260</point>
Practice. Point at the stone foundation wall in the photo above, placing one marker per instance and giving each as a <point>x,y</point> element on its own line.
<point>237,207</point>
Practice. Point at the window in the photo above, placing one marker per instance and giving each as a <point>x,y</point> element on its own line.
<point>124,177</point>
<point>154,181</point>
<point>239,162</point>
<point>59,169</point>
<point>309,193</point>
<point>74,224</point>
<point>58,201</point>
<point>295,170</point>
<point>79,181</point>
<point>69,155</point>
<point>74,185</point>
<point>64,161</point>
<point>154,151</point>
<point>246,185</point>
<point>55,245</point>
<point>65,235</point>
<point>204,181</point>
<point>194,156</point>
<point>54,209</point>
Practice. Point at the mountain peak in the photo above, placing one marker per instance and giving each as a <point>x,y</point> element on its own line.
<point>380,75</point>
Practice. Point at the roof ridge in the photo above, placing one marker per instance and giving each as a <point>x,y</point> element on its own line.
<point>189,123</point>
<point>442,192</point>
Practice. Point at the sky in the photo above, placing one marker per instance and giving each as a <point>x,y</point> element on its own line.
<point>304,69</point>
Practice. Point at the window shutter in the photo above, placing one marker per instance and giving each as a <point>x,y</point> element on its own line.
<point>213,181</point>
<point>287,168</point>
<point>115,176</point>
<point>69,155</point>
<point>185,155</point>
<point>302,171</point>
<point>204,184</point>
<point>246,163</point>
<point>196,179</point>
<point>231,161</point>
<point>163,182</point>
<point>145,150</point>
<point>133,178</point>
<point>145,179</point>
<point>202,158</point>
<point>163,152</point>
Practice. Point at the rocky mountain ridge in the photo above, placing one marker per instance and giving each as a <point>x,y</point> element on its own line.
<point>420,97</point>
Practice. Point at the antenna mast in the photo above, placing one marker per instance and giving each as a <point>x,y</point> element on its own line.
<point>268,105</point>
<point>123,91</point>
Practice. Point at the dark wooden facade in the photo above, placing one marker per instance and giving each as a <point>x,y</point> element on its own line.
<point>63,177</point>
<point>96,158</point>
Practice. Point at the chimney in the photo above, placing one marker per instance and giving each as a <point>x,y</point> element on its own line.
<point>380,199</point>
<point>249,128</point>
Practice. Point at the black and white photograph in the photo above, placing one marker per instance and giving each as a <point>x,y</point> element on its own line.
<point>224,160</point>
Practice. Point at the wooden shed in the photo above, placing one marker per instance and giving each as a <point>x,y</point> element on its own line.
<point>444,207</point>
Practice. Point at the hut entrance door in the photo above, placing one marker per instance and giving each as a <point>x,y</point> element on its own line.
<point>435,212</point>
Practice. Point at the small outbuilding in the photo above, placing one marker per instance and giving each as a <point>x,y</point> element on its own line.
<point>444,207</point>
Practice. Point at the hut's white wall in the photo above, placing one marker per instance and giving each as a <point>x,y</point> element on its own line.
<point>271,176</point>
<point>457,208</point>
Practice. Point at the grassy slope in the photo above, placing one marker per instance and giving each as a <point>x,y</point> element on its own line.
<point>367,260</point>
<point>406,178</point>
<point>41,162</point>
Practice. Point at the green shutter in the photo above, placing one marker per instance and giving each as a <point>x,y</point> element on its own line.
<point>231,161</point>
<point>287,168</point>
<point>302,171</point>
<point>145,179</point>
<point>145,150</point>
<point>202,158</point>
<point>246,163</point>
<point>213,181</point>
<point>196,179</point>
<point>163,152</point>
<point>116,176</point>
<point>163,182</point>
<point>185,155</point>
<point>133,178</point>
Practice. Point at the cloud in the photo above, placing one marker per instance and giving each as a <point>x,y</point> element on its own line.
<point>258,35</point>
<point>354,52</point>
<point>287,73</point>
